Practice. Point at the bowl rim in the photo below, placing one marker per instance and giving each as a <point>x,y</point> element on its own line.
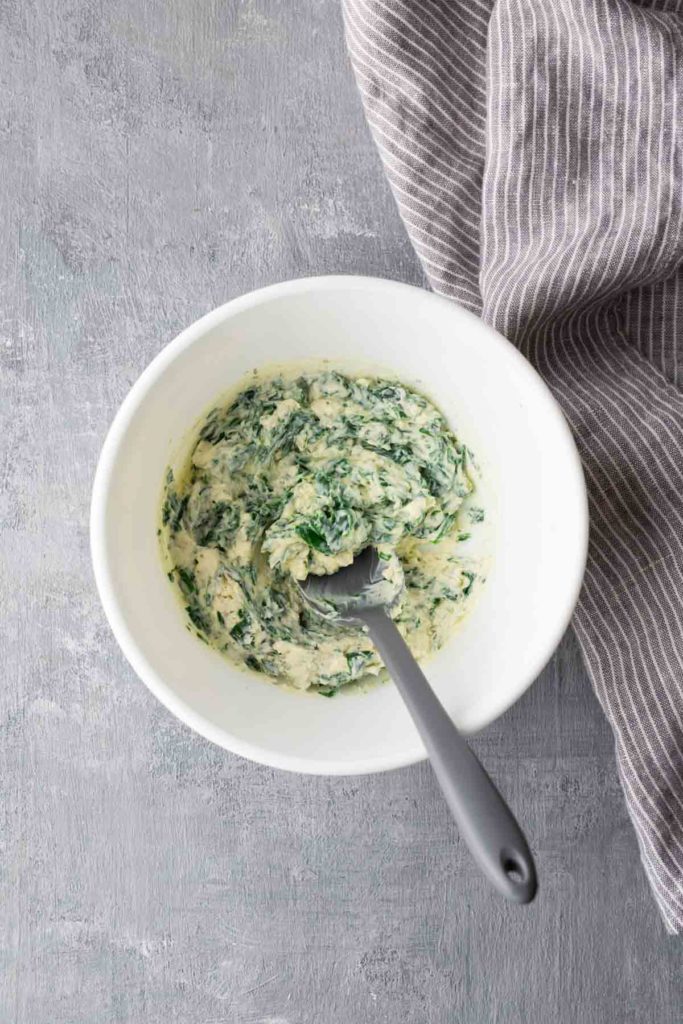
<point>102,484</point>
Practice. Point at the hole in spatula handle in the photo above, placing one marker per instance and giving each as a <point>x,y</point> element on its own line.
<point>520,874</point>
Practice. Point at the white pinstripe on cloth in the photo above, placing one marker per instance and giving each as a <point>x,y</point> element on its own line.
<point>535,153</point>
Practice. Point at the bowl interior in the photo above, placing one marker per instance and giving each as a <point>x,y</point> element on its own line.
<point>495,402</point>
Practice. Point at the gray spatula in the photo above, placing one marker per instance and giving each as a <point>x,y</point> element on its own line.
<point>361,593</point>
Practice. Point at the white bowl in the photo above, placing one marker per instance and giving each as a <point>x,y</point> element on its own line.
<point>498,405</point>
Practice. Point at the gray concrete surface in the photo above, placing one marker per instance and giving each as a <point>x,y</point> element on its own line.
<point>158,158</point>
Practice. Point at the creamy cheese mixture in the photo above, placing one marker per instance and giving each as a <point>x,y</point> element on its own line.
<point>297,476</point>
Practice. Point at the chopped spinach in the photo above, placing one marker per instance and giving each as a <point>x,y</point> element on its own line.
<point>187,580</point>
<point>470,577</point>
<point>313,537</point>
<point>174,510</point>
<point>197,618</point>
<point>216,525</point>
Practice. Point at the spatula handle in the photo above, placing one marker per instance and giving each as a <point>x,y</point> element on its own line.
<point>485,821</point>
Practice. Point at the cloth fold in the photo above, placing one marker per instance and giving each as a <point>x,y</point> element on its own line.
<point>535,154</point>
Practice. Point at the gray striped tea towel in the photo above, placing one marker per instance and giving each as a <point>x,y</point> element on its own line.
<point>535,153</point>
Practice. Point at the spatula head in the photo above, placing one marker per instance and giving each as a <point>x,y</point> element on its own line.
<point>369,582</point>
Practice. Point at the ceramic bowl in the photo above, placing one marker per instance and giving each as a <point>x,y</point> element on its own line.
<point>495,401</point>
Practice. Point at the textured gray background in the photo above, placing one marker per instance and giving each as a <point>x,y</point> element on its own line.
<point>157,159</point>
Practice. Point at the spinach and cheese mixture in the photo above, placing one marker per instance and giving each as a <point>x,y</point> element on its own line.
<point>297,475</point>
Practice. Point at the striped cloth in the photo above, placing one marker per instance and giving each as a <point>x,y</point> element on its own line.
<point>535,153</point>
